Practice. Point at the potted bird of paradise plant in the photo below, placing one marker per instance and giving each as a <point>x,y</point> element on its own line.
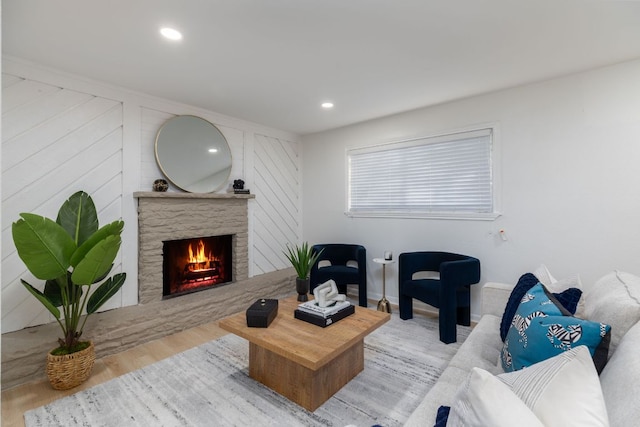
<point>72,255</point>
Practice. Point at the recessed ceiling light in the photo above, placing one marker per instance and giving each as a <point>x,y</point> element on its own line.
<point>213,150</point>
<point>171,33</point>
<point>327,105</point>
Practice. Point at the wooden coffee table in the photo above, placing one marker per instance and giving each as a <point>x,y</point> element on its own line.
<point>304,362</point>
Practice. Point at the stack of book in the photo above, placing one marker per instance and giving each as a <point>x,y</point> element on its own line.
<point>311,312</point>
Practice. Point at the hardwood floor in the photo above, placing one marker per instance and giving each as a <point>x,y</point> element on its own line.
<point>17,400</point>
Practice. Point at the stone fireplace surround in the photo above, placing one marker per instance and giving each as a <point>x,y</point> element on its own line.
<point>169,216</point>
<point>176,216</point>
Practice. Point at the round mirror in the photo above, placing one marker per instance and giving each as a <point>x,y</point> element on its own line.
<point>193,154</point>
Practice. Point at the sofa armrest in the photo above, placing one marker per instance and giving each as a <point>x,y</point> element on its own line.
<point>494,298</point>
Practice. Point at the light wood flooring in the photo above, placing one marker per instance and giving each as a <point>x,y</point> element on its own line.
<point>17,400</point>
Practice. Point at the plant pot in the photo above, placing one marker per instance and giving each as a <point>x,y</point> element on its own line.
<point>70,370</point>
<point>302,287</point>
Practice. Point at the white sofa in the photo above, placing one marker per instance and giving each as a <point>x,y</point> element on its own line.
<point>614,299</point>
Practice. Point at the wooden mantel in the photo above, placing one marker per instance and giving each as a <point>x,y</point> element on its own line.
<point>175,195</point>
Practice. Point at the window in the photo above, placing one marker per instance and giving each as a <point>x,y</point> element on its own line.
<point>445,176</point>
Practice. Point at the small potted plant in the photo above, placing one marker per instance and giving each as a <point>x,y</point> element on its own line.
<point>71,255</point>
<point>302,258</point>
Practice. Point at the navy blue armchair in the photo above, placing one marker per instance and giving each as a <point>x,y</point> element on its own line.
<point>347,265</point>
<point>450,293</point>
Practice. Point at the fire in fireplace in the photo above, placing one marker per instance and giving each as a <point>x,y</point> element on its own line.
<point>191,265</point>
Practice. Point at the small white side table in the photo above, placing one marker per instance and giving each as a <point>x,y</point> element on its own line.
<point>383,304</point>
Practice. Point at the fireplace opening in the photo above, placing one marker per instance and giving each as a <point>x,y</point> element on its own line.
<point>191,265</point>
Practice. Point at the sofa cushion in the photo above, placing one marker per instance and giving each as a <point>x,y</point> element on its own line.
<point>620,377</point>
<point>568,298</point>
<point>540,330</point>
<point>480,349</point>
<point>615,298</point>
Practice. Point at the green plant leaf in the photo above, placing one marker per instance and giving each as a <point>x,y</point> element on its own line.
<point>301,259</point>
<point>113,229</point>
<point>97,261</point>
<point>43,299</point>
<point>78,216</point>
<point>44,246</point>
<point>315,257</point>
<point>105,291</point>
<point>53,291</point>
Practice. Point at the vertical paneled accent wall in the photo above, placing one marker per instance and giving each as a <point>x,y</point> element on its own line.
<point>55,141</point>
<point>276,214</point>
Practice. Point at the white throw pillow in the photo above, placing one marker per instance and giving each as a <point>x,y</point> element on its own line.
<point>561,391</point>
<point>483,400</point>
<point>543,274</point>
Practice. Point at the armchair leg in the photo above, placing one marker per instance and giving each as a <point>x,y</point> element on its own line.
<point>447,320</point>
<point>448,332</point>
<point>406,307</point>
<point>362,295</point>
<point>464,316</point>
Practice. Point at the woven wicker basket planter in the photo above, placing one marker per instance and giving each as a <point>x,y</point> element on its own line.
<point>70,370</point>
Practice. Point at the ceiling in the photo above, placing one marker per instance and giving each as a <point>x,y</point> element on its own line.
<point>274,62</point>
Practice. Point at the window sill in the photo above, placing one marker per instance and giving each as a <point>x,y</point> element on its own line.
<point>466,216</point>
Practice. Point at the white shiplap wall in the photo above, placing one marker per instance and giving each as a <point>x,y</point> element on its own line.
<point>277,209</point>
<point>55,141</point>
<point>62,133</point>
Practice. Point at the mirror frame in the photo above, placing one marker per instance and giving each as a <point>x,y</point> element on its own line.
<point>180,153</point>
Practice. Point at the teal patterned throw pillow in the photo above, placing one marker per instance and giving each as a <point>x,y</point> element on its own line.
<point>540,330</point>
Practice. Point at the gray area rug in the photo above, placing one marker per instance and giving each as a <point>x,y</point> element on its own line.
<point>209,386</point>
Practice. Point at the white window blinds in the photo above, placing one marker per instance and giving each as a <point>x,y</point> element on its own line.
<point>435,175</point>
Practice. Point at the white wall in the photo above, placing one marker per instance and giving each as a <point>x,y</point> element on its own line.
<point>569,156</point>
<point>63,133</point>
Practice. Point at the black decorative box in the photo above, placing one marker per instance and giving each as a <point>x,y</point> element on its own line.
<point>262,312</point>
<point>321,320</point>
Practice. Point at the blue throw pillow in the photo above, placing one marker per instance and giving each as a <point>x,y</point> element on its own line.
<point>442,416</point>
<point>525,282</point>
<point>568,299</point>
<point>540,330</point>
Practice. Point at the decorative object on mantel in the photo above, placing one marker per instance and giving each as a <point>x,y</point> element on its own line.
<point>238,187</point>
<point>71,254</point>
<point>302,258</point>
<point>160,185</point>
